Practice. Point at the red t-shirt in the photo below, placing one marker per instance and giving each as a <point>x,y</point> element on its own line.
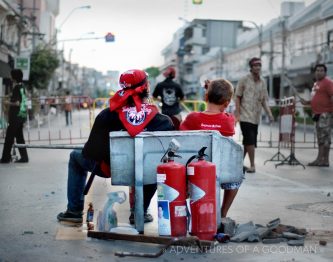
<point>321,101</point>
<point>222,122</point>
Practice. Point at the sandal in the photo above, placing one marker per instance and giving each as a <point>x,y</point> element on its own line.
<point>314,163</point>
<point>251,170</point>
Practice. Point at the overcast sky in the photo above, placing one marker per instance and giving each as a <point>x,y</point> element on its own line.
<point>143,27</point>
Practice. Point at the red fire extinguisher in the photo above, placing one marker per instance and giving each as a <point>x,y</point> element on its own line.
<point>171,188</point>
<point>201,176</point>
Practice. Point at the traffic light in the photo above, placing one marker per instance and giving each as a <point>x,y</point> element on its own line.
<point>197,2</point>
<point>109,37</point>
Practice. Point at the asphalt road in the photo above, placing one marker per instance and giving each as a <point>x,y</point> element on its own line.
<point>31,195</point>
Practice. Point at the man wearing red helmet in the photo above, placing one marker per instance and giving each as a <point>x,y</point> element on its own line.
<point>170,94</point>
<point>251,96</point>
<point>128,111</point>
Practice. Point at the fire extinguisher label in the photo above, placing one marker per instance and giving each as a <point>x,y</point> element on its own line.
<point>166,192</point>
<point>190,170</point>
<point>196,192</point>
<point>161,178</point>
<point>180,211</point>
<point>206,208</point>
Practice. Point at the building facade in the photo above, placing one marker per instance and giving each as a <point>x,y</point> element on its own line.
<point>290,45</point>
<point>24,25</point>
<point>194,44</point>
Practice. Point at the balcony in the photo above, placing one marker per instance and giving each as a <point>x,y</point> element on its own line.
<point>190,59</point>
<point>195,36</point>
<point>302,64</point>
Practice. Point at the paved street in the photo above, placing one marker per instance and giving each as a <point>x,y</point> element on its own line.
<point>31,195</point>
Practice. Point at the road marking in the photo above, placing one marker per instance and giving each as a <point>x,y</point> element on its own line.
<point>298,184</point>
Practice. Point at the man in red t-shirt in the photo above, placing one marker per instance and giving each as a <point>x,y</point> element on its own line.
<point>218,96</point>
<point>322,108</point>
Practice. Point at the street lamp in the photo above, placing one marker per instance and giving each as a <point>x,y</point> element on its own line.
<point>259,29</point>
<point>71,12</point>
<point>54,40</point>
<point>59,30</point>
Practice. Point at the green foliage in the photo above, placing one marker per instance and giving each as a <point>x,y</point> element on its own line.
<point>275,111</point>
<point>308,111</point>
<point>300,120</point>
<point>102,93</point>
<point>152,71</point>
<point>44,62</point>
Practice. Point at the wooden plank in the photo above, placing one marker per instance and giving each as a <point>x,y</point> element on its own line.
<point>145,238</point>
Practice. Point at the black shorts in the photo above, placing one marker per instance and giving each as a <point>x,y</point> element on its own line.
<point>250,132</point>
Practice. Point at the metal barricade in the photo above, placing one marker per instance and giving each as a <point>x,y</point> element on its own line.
<point>194,105</point>
<point>287,132</point>
<point>46,120</point>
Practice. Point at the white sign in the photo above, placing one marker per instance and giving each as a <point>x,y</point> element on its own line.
<point>23,63</point>
<point>286,124</point>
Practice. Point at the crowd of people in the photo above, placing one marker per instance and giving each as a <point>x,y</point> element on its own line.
<point>130,110</point>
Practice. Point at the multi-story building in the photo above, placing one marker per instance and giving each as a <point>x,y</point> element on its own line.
<point>309,41</point>
<point>8,40</point>
<point>24,25</point>
<point>289,45</point>
<point>194,43</point>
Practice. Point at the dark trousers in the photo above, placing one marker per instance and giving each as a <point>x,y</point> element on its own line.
<point>78,168</point>
<point>14,131</point>
<point>68,117</point>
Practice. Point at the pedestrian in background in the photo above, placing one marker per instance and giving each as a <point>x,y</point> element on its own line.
<point>170,94</point>
<point>322,108</point>
<point>250,97</point>
<point>218,96</point>
<point>129,110</point>
<point>17,115</point>
<point>68,108</point>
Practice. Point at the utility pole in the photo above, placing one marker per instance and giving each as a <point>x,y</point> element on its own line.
<point>33,19</point>
<point>260,32</point>
<point>260,29</point>
<point>271,58</point>
<point>221,63</point>
<point>282,77</point>
<point>19,29</point>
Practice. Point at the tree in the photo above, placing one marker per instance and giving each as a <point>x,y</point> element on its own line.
<point>152,71</point>
<point>44,62</point>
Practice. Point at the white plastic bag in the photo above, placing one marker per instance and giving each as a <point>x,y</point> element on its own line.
<point>107,219</point>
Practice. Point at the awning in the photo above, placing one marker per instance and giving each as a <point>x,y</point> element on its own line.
<point>293,72</point>
<point>4,70</point>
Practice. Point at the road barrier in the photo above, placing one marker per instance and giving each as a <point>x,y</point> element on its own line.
<point>46,119</point>
<point>194,105</point>
<point>287,132</point>
<point>46,122</point>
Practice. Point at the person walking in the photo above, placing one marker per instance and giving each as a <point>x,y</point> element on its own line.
<point>68,108</point>
<point>129,110</point>
<point>322,108</point>
<point>170,94</point>
<point>250,97</point>
<point>17,115</point>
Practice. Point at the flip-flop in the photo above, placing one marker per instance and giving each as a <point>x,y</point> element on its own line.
<point>251,170</point>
